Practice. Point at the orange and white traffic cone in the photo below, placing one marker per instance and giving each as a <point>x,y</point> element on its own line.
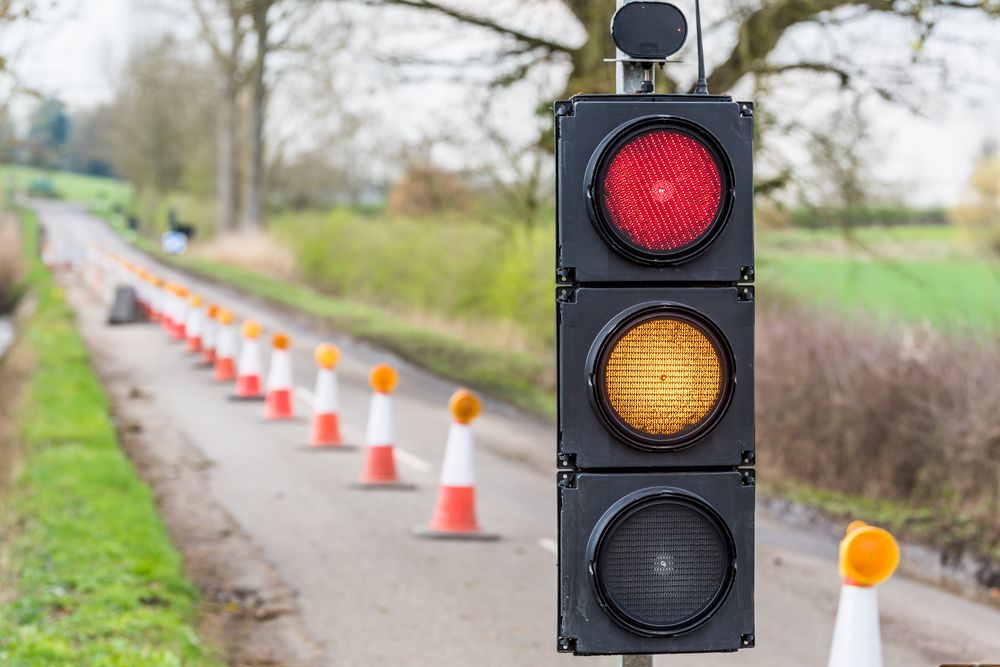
<point>193,325</point>
<point>179,330</point>
<point>156,300</point>
<point>868,556</point>
<point>379,471</point>
<point>209,333</point>
<point>248,385</point>
<point>225,348</point>
<point>326,420</point>
<point>455,512</point>
<point>169,308</point>
<point>278,401</point>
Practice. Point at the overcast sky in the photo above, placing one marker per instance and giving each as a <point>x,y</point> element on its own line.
<point>77,54</point>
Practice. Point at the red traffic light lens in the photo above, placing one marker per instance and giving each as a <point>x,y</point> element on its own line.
<point>661,192</point>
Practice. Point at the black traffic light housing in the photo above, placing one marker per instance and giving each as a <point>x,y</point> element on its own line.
<point>589,127</point>
<point>596,618</point>
<point>655,321</point>
<point>590,437</point>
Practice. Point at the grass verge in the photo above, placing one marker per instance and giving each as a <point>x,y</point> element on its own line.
<point>93,578</point>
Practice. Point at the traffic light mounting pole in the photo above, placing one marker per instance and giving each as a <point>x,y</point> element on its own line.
<point>628,80</point>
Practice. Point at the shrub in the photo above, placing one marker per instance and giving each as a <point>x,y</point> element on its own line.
<point>905,414</point>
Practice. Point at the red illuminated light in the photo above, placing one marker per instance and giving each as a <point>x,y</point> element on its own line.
<point>662,191</point>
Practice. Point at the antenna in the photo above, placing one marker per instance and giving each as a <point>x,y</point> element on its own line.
<point>700,88</point>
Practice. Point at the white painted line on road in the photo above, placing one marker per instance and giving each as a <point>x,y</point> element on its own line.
<point>305,396</point>
<point>412,460</point>
<point>549,545</point>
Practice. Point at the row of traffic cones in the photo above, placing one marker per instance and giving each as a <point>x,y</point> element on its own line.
<point>209,332</point>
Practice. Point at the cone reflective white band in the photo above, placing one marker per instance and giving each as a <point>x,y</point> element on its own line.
<point>279,375</point>
<point>380,427</point>
<point>327,394</point>
<point>193,323</point>
<point>208,334</point>
<point>226,343</point>
<point>249,363</point>
<point>459,467</point>
<point>857,640</point>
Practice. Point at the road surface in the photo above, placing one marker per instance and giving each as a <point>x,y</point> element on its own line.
<point>372,594</point>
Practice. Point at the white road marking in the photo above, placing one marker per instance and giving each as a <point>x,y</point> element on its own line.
<point>412,460</point>
<point>548,544</point>
<point>305,395</point>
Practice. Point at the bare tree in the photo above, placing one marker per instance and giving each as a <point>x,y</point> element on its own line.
<point>223,27</point>
<point>275,23</point>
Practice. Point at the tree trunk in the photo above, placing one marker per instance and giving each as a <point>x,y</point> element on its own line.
<point>254,211</point>
<point>227,174</point>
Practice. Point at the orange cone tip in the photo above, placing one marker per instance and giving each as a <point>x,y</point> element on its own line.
<point>280,341</point>
<point>868,554</point>
<point>251,329</point>
<point>195,301</point>
<point>212,310</point>
<point>465,406</point>
<point>384,378</point>
<point>327,355</point>
<point>224,316</point>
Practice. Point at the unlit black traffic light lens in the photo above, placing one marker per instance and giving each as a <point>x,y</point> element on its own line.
<point>663,564</point>
<point>662,377</point>
<point>662,192</point>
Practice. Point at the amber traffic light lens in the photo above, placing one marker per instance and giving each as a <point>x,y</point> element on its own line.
<point>663,378</point>
<point>662,193</point>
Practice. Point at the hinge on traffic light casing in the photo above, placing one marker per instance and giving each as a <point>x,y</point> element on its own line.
<point>567,480</point>
<point>566,295</point>
<point>748,457</point>
<point>566,460</point>
<point>746,274</point>
<point>746,292</point>
<point>748,477</point>
<point>746,640</point>
<point>566,645</point>
<point>563,108</point>
<point>746,109</point>
<point>566,274</point>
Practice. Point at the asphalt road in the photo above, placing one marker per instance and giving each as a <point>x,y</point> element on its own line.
<point>372,594</point>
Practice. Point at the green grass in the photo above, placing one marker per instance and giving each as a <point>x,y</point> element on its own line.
<point>95,579</point>
<point>939,525</point>
<point>98,194</point>
<point>951,294</point>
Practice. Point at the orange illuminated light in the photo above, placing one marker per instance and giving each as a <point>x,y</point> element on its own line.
<point>663,377</point>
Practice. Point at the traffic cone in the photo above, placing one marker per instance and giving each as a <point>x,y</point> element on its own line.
<point>156,299</point>
<point>193,325</point>
<point>278,401</point>
<point>868,556</point>
<point>379,471</point>
<point>225,348</point>
<point>179,330</point>
<point>326,421</point>
<point>455,512</point>
<point>209,333</point>
<point>169,309</point>
<point>248,386</point>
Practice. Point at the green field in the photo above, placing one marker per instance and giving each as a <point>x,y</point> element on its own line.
<point>90,576</point>
<point>951,294</point>
<point>96,193</point>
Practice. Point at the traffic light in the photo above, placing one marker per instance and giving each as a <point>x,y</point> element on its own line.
<point>655,373</point>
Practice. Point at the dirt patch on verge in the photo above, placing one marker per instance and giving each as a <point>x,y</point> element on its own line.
<point>248,610</point>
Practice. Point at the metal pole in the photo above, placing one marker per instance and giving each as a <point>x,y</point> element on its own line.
<point>628,76</point>
<point>628,80</point>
